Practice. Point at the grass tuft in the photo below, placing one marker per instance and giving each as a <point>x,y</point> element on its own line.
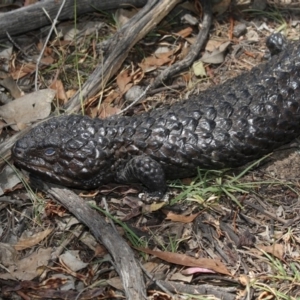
<point>212,184</point>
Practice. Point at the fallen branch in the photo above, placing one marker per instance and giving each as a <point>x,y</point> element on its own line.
<point>193,52</point>
<point>124,260</point>
<point>183,64</point>
<point>134,30</point>
<point>32,17</point>
<point>225,293</point>
<point>145,20</point>
<point>121,44</point>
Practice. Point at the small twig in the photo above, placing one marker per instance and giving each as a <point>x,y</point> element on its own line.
<point>107,210</point>
<point>46,42</point>
<point>124,39</point>
<point>175,87</point>
<point>194,50</point>
<point>142,96</point>
<point>123,256</point>
<point>15,44</point>
<point>158,283</point>
<point>187,61</point>
<point>265,212</point>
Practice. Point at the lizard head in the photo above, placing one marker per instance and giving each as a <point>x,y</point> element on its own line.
<point>66,150</point>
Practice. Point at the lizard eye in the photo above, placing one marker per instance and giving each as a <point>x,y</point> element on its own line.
<point>49,151</point>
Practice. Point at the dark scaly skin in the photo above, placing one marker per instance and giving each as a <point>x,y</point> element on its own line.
<point>225,126</point>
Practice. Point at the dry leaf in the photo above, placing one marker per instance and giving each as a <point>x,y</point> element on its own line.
<point>211,45</point>
<point>23,70</point>
<point>47,60</point>
<point>185,32</point>
<point>12,87</point>
<point>217,56</point>
<point>116,283</point>
<point>8,255</point>
<point>123,81</point>
<point>221,7</point>
<point>159,59</point>
<point>199,69</point>
<point>277,250</point>
<point>58,86</point>
<point>106,110</point>
<point>32,240</point>
<point>181,218</point>
<point>27,109</point>
<point>28,267</point>
<point>52,209</point>
<point>72,260</point>
<point>48,51</point>
<point>111,97</point>
<point>8,179</point>
<point>188,261</point>
<point>153,207</point>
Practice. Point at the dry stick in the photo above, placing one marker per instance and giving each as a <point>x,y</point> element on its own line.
<point>143,22</point>
<point>265,212</point>
<point>31,17</point>
<point>186,62</point>
<point>46,42</point>
<point>120,40</point>
<point>134,30</point>
<point>123,256</point>
<point>194,50</point>
<point>225,293</point>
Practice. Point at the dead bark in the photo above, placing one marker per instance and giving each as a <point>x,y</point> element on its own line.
<point>145,20</point>
<point>134,30</point>
<point>120,45</point>
<point>124,260</point>
<point>193,52</point>
<point>225,293</point>
<point>32,17</point>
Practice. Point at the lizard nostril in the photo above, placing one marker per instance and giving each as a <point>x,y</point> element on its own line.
<point>18,152</point>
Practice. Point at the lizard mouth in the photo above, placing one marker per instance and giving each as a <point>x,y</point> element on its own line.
<point>44,173</point>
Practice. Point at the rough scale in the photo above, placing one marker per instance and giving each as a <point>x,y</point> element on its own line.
<point>225,126</point>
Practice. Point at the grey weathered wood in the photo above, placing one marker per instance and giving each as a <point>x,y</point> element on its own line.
<point>121,43</point>
<point>194,51</point>
<point>124,260</point>
<point>32,17</point>
<point>145,20</point>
